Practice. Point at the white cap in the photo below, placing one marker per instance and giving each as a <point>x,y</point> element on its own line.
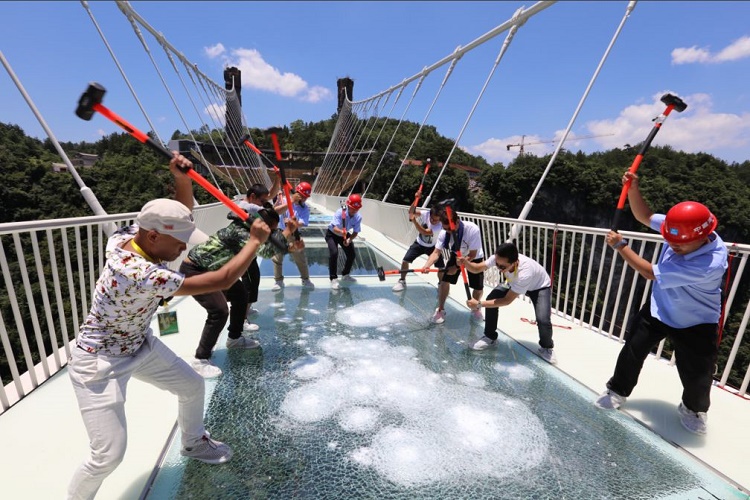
<point>170,217</point>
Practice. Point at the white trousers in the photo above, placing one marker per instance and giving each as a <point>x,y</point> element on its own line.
<point>100,384</point>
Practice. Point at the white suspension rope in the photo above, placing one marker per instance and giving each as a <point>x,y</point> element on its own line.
<point>503,49</point>
<point>363,143</point>
<point>126,8</point>
<point>377,138</point>
<point>395,131</point>
<point>213,120</point>
<point>86,192</point>
<point>343,154</point>
<point>527,207</point>
<point>319,184</point>
<point>421,125</point>
<point>138,33</point>
<point>197,113</point>
<point>520,19</point>
<point>341,145</point>
<point>122,71</point>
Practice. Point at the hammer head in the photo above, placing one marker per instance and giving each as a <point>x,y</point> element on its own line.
<point>273,130</point>
<point>244,138</point>
<point>672,100</point>
<point>381,274</point>
<point>93,95</point>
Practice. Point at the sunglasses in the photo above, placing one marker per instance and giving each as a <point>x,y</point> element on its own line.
<point>504,267</point>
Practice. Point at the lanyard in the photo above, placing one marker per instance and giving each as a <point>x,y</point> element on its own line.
<point>510,280</point>
<point>140,251</point>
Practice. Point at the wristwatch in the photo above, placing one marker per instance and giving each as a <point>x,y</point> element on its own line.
<point>622,243</point>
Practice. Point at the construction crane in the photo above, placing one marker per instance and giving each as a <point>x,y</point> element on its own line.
<point>521,144</point>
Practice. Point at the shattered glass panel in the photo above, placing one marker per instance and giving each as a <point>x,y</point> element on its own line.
<point>355,394</point>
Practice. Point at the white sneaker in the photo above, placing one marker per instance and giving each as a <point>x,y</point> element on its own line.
<point>484,343</point>
<point>209,451</point>
<point>476,315</point>
<point>242,343</point>
<point>439,316</point>
<point>277,286</point>
<point>694,422</point>
<point>205,368</point>
<point>399,286</point>
<point>250,327</point>
<point>252,311</point>
<point>610,400</point>
<point>348,278</point>
<point>308,284</point>
<point>548,355</point>
<point>334,284</point>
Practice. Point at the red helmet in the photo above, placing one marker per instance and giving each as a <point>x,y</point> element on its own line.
<point>688,221</point>
<point>354,201</point>
<point>304,188</point>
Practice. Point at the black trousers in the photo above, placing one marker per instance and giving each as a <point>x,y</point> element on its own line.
<point>334,241</point>
<point>695,356</point>
<point>215,304</point>
<point>251,280</point>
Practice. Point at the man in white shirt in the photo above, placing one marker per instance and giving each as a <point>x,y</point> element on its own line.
<point>521,275</point>
<point>468,240</point>
<point>428,226</point>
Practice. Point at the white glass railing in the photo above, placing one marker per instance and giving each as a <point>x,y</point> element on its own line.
<point>49,269</point>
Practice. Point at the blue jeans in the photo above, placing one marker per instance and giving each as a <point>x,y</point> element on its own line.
<point>542,301</point>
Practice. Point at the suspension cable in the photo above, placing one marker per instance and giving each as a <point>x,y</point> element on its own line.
<point>527,207</point>
<point>424,120</point>
<point>86,192</point>
<point>138,33</point>
<point>369,153</point>
<point>503,50</point>
<point>122,71</point>
<point>395,131</point>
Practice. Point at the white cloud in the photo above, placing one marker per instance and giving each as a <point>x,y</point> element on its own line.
<point>317,94</point>
<point>217,112</point>
<point>698,128</point>
<point>214,51</point>
<point>259,74</point>
<point>101,132</point>
<point>739,49</point>
<point>496,150</point>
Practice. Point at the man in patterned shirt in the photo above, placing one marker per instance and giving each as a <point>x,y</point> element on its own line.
<point>116,343</point>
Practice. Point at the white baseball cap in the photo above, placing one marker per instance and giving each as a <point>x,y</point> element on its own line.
<point>170,217</point>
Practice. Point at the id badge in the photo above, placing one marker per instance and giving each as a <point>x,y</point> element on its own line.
<point>167,321</point>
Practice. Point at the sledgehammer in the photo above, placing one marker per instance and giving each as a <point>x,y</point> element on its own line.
<point>91,101</point>
<point>382,273</point>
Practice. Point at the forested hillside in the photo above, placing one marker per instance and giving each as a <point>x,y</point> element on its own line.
<point>581,189</point>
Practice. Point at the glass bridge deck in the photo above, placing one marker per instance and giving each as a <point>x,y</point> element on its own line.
<point>355,394</point>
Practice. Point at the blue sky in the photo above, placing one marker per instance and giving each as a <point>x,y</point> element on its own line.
<point>292,53</point>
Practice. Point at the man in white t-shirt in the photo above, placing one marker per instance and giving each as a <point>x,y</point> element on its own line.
<point>521,275</point>
<point>468,240</point>
<point>428,226</point>
<point>115,342</point>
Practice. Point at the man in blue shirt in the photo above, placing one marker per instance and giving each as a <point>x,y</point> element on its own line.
<point>344,220</point>
<point>685,304</point>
